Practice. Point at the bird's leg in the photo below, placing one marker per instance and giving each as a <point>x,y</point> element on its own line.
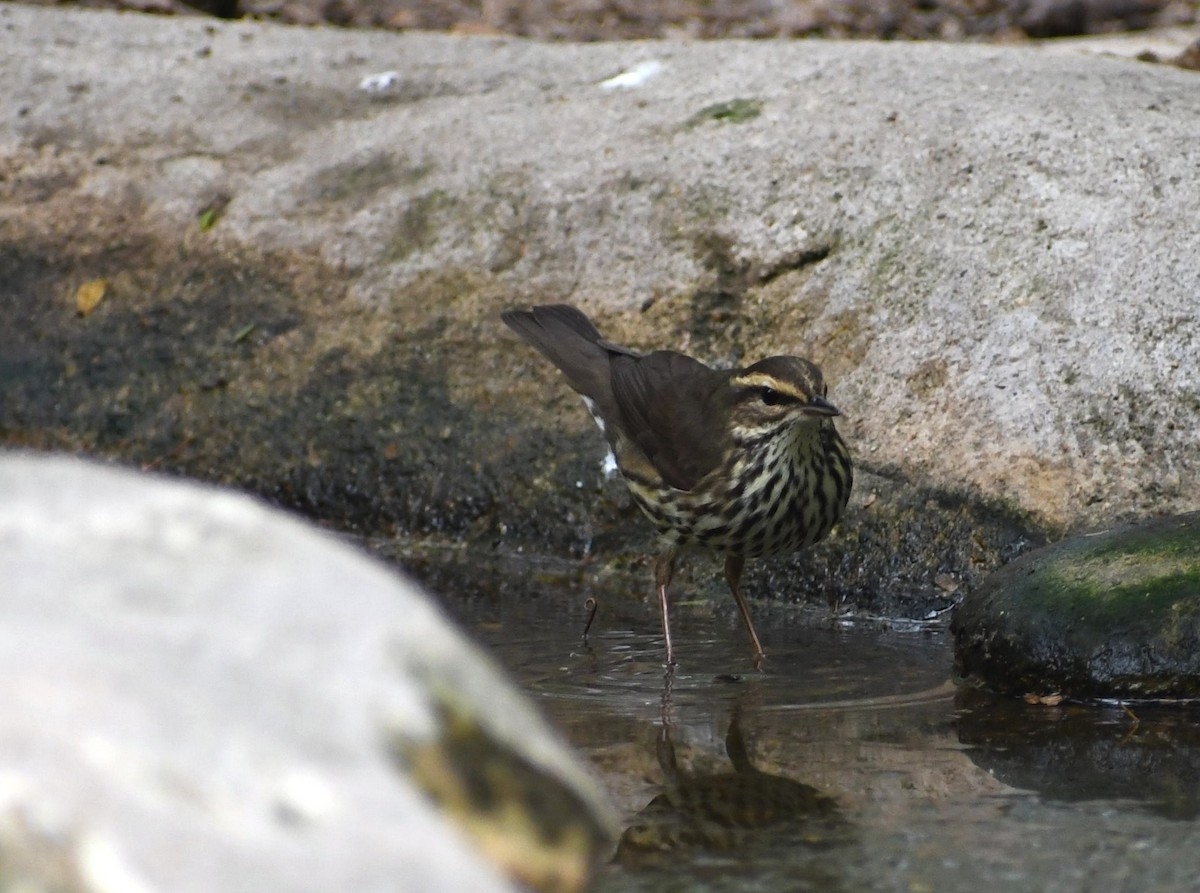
<point>664,569</point>
<point>733,574</point>
<point>590,606</point>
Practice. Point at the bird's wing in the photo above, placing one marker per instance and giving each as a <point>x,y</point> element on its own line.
<point>669,405</point>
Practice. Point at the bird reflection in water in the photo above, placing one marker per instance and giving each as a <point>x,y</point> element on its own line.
<point>726,812</point>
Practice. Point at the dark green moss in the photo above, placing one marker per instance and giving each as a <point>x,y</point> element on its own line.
<point>733,111</point>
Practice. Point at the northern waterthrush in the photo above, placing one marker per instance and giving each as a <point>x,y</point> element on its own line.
<point>743,462</point>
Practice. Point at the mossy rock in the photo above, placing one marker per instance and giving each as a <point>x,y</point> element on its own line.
<point>1114,614</point>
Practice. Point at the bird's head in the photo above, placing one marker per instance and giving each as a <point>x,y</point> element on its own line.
<point>776,393</point>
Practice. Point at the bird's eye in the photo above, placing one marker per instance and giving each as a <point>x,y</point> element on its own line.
<point>771,397</point>
<point>824,390</point>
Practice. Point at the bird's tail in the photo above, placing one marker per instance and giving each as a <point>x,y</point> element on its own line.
<point>572,343</point>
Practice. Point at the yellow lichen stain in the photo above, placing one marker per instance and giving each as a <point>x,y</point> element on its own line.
<point>89,295</point>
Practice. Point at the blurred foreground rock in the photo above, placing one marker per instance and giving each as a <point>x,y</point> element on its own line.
<point>200,694</point>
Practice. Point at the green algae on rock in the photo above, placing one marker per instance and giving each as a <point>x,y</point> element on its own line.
<point>1114,614</point>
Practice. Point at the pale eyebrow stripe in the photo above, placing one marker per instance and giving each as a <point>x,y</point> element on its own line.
<point>760,380</point>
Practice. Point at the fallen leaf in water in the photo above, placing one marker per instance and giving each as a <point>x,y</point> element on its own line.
<point>1050,700</point>
<point>89,295</point>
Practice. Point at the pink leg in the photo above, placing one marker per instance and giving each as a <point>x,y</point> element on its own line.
<point>664,569</point>
<point>733,575</point>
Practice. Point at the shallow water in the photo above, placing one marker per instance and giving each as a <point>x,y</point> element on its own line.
<point>870,769</point>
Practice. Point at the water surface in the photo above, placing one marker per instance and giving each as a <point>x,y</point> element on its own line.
<point>864,767</point>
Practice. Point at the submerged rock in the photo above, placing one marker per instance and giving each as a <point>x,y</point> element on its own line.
<point>1114,614</point>
<point>1149,755</point>
<point>202,694</point>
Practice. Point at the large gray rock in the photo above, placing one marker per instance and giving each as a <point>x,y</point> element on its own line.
<point>991,251</point>
<point>200,694</point>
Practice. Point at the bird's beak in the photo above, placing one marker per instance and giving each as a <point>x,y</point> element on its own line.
<point>819,406</point>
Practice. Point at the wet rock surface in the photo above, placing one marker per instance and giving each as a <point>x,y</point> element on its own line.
<point>203,694</point>
<point>1106,615</point>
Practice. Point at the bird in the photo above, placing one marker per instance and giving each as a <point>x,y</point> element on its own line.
<point>744,463</point>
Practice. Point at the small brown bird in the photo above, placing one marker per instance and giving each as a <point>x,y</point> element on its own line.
<point>743,462</point>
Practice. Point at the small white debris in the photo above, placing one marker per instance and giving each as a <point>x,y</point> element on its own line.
<point>608,467</point>
<point>377,83</point>
<point>633,77</point>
